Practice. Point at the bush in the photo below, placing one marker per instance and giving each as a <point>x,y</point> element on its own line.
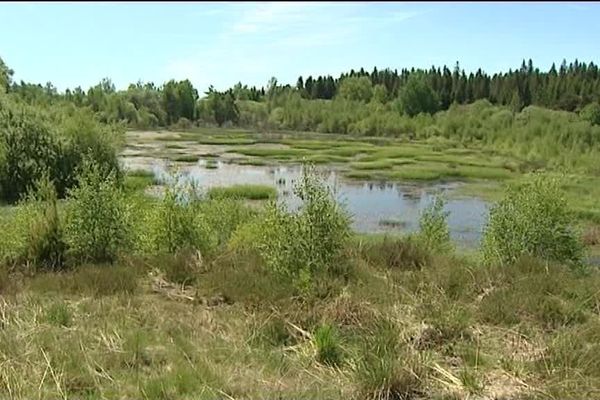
<point>45,242</point>
<point>35,143</point>
<point>98,223</point>
<point>33,230</point>
<point>418,97</point>
<point>310,241</point>
<point>591,113</point>
<point>433,227</point>
<point>224,216</point>
<point>84,138</point>
<point>532,219</point>
<point>28,149</point>
<point>178,222</point>
<point>183,123</point>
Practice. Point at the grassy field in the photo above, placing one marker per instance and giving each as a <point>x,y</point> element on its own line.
<point>402,325</point>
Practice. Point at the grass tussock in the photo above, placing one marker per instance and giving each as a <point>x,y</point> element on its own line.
<point>186,158</point>
<point>249,192</point>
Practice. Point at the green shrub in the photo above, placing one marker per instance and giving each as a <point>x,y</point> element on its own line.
<point>310,241</point>
<point>246,237</point>
<point>35,142</point>
<point>98,222</point>
<point>83,138</point>
<point>46,245</point>
<point>29,148</point>
<point>15,232</point>
<point>329,350</point>
<point>433,227</point>
<point>178,223</point>
<point>591,113</point>
<point>532,219</point>
<point>224,216</point>
<point>33,230</point>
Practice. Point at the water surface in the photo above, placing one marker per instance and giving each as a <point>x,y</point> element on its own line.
<point>371,204</point>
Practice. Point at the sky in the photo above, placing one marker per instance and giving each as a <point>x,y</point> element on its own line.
<point>222,43</point>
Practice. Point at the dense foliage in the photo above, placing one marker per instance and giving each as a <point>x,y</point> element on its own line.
<point>38,141</point>
<point>532,220</point>
<point>310,242</point>
<point>99,219</point>
<point>570,87</point>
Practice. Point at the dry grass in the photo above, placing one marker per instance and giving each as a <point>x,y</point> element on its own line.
<point>239,332</point>
<point>591,236</point>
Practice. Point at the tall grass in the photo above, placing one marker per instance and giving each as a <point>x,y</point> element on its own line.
<point>250,192</point>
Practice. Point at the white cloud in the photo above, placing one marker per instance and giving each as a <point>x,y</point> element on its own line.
<point>271,17</point>
<point>260,40</point>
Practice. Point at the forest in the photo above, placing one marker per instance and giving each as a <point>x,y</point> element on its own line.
<point>571,87</point>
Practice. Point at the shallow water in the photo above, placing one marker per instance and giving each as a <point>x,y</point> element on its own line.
<point>370,203</point>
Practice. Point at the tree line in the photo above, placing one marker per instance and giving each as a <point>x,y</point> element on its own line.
<point>570,87</point>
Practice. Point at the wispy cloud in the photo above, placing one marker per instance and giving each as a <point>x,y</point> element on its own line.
<point>272,17</point>
<point>260,38</point>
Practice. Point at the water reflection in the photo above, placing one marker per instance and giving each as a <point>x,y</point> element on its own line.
<point>370,203</point>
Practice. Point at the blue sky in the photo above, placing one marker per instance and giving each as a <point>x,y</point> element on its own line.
<point>74,44</point>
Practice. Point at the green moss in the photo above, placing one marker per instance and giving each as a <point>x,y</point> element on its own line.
<point>381,164</point>
<point>407,151</point>
<point>225,140</point>
<point>326,158</point>
<point>351,151</point>
<point>325,144</point>
<point>369,165</point>
<point>250,192</point>
<point>175,146</point>
<point>188,158</point>
<point>284,153</point>
<point>211,164</point>
<point>252,161</point>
